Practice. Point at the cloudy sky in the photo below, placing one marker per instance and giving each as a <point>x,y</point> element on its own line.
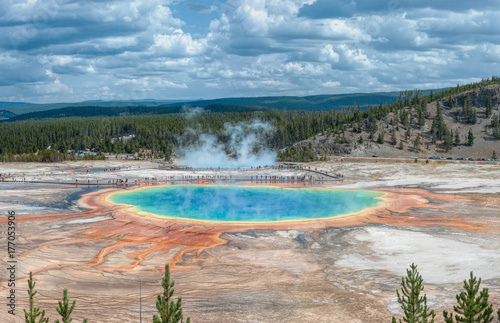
<point>67,51</point>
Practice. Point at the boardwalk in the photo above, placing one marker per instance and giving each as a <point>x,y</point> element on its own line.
<point>267,174</point>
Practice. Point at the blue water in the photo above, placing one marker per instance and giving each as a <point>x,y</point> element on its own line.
<point>94,170</point>
<point>245,203</point>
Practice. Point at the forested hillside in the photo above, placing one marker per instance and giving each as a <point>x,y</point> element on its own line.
<point>460,117</point>
<point>462,122</point>
<point>4,115</point>
<point>98,111</point>
<point>315,102</point>
<point>158,133</point>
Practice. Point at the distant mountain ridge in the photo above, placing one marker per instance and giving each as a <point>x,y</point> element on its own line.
<point>22,108</point>
<point>314,102</point>
<point>12,104</point>
<point>99,111</point>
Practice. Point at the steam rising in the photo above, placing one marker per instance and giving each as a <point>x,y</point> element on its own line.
<point>190,111</point>
<point>240,145</point>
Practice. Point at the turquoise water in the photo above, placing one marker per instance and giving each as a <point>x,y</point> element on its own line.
<point>94,170</point>
<point>246,203</point>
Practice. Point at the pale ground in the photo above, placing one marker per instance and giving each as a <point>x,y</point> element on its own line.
<point>333,274</point>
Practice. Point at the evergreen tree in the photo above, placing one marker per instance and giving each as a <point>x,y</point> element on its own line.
<point>421,117</point>
<point>457,138</point>
<point>405,120</point>
<point>448,140</point>
<point>65,309</point>
<point>393,138</point>
<point>414,306</point>
<point>170,312</point>
<point>489,106</point>
<point>494,155</point>
<point>34,312</point>
<point>495,125</point>
<point>417,142</point>
<point>474,116</point>
<point>380,138</point>
<point>408,134</point>
<point>470,138</point>
<point>424,109</point>
<point>438,128</point>
<point>468,111</point>
<point>471,308</point>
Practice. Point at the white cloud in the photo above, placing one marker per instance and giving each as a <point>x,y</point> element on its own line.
<point>305,68</point>
<point>152,49</point>
<point>176,63</point>
<point>331,84</point>
<point>55,87</point>
<point>355,57</point>
<point>327,54</point>
<point>178,44</point>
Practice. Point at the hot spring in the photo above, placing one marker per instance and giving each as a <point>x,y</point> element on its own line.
<point>246,203</point>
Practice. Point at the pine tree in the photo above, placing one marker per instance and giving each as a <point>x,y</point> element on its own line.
<point>421,117</point>
<point>34,312</point>
<point>495,125</point>
<point>470,138</point>
<point>170,312</point>
<point>489,106</point>
<point>457,138</point>
<point>474,116</point>
<point>408,134</point>
<point>417,142</point>
<point>494,155</point>
<point>380,139</point>
<point>405,120</point>
<point>448,140</point>
<point>438,128</point>
<point>472,308</point>
<point>414,306</point>
<point>65,309</point>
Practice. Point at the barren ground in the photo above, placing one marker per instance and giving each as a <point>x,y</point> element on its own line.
<point>442,216</point>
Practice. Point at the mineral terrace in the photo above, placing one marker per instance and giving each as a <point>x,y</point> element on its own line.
<point>443,216</point>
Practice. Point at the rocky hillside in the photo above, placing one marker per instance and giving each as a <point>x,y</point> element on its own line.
<point>461,124</point>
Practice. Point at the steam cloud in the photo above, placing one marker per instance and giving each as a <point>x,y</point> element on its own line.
<point>189,111</point>
<point>239,145</point>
